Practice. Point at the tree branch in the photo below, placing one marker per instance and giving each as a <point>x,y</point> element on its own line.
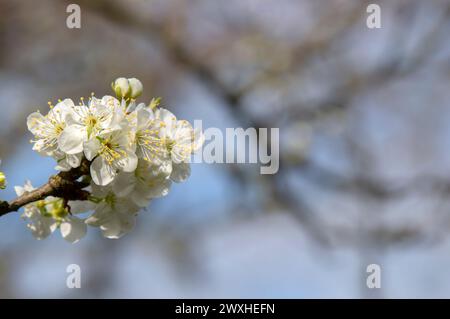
<point>63,185</point>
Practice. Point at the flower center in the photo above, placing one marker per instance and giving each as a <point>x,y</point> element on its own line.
<point>110,151</point>
<point>169,144</point>
<point>55,209</point>
<point>149,142</point>
<point>59,128</point>
<point>90,122</point>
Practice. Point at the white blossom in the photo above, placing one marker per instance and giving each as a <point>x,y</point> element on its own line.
<point>180,141</point>
<point>85,122</point>
<point>111,153</point>
<point>65,162</point>
<point>47,129</point>
<point>135,152</point>
<point>149,144</point>
<point>147,182</point>
<point>49,214</point>
<point>114,215</point>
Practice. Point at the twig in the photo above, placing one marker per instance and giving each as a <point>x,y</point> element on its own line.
<point>63,185</point>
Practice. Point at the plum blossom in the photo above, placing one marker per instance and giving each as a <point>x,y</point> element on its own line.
<point>85,122</point>
<point>110,153</point>
<point>49,214</point>
<point>114,215</point>
<point>149,144</point>
<point>179,141</point>
<point>134,152</point>
<point>47,129</point>
<point>147,182</point>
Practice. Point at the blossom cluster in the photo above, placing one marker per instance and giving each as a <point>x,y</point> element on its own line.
<point>135,152</point>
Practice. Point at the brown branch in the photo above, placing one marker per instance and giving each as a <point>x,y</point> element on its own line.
<point>63,185</point>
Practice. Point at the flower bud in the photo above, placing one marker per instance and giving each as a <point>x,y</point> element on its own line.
<point>136,87</point>
<point>122,88</point>
<point>2,180</point>
<point>154,103</point>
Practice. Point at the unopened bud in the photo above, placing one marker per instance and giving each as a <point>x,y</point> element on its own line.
<point>122,88</point>
<point>136,87</point>
<point>154,103</point>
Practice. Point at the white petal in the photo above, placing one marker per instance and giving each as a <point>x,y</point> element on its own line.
<point>161,189</point>
<point>143,117</point>
<point>28,187</point>
<point>91,148</point>
<point>119,226</point>
<point>41,227</point>
<point>165,168</point>
<point>112,229</point>
<point>127,222</point>
<point>124,184</point>
<point>68,103</point>
<point>126,205</point>
<point>101,215</point>
<point>35,121</point>
<point>141,198</point>
<point>99,191</point>
<point>81,206</point>
<point>63,166</point>
<point>73,230</point>
<point>165,115</point>
<point>76,115</point>
<point>74,160</point>
<point>129,162</point>
<point>61,110</point>
<point>102,174</point>
<point>42,148</point>
<point>19,190</point>
<point>180,172</point>
<point>71,139</point>
<point>141,106</point>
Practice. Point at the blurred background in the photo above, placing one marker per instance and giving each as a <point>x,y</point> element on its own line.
<point>365,146</point>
